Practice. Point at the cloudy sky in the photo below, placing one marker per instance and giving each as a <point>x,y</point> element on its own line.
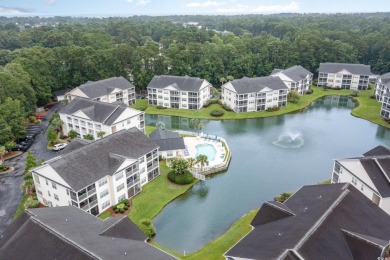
<point>165,7</point>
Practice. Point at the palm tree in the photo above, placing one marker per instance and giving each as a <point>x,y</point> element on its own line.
<point>191,161</point>
<point>57,123</point>
<point>27,185</point>
<point>202,159</point>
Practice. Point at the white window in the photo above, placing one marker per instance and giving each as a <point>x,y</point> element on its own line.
<point>119,176</point>
<point>362,187</point>
<point>53,184</point>
<point>104,193</point>
<point>106,204</point>
<point>56,197</point>
<point>128,121</point>
<point>120,187</point>
<point>169,154</point>
<point>69,118</point>
<point>67,192</point>
<point>143,180</point>
<point>354,180</point>
<point>159,91</point>
<point>47,182</point>
<point>122,198</point>
<point>48,193</point>
<point>102,182</point>
<point>39,192</point>
<point>141,160</point>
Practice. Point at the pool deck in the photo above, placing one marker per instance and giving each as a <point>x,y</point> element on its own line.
<point>192,142</point>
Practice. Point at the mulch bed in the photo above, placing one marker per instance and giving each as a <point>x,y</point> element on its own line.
<point>114,214</point>
<point>11,155</point>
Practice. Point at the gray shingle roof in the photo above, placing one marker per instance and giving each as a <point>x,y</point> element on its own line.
<point>380,150</point>
<point>296,73</point>
<point>385,79</point>
<point>252,85</point>
<point>357,69</point>
<point>317,230</point>
<point>167,140</point>
<point>71,233</point>
<point>101,112</point>
<point>61,92</point>
<point>185,83</point>
<point>93,161</point>
<point>94,89</point>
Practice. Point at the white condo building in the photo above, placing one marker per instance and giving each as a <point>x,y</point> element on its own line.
<point>86,116</point>
<point>254,94</point>
<point>382,94</point>
<point>107,90</point>
<point>178,92</point>
<point>344,76</point>
<point>370,174</point>
<point>96,175</point>
<point>296,78</point>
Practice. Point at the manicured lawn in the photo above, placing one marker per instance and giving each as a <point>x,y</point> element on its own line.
<point>149,129</point>
<point>105,215</point>
<point>216,248</point>
<point>325,182</point>
<point>20,207</point>
<point>155,196</point>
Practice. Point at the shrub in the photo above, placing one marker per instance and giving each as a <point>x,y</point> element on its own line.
<point>226,107</point>
<point>207,103</point>
<point>293,96</point>
<point>88,137</point>
<point>161,107</point>
<point>185,178</point>
<point>3,168</point>
<point>372,97</point>
<point>214,101</point>
<point>32,203</point>
<point>140,106</point>
<point>46,109</point>
<point>147,227</point>
<point>355,93</point>
<point>273,109</point>
<point>309,91</point>
<point>32,119</point>
<point>337,88</point>
<point>283,196</point>
<point>122,210</point>
<point>116,210</point>
<point>217,113</point>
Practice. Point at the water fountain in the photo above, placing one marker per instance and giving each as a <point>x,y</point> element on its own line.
<point>290,139</point>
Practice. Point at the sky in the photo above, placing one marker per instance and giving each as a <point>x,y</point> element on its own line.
<point>181,7</point>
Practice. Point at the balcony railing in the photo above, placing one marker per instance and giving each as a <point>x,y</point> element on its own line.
<point>93,203</point>
<point>90,192</point>
<point>82,197</point>
<point>131,172</point>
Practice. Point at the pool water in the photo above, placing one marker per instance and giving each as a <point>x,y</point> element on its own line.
<point>206,149</point>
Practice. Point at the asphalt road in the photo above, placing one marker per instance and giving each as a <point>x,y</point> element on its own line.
<point>10,192</point>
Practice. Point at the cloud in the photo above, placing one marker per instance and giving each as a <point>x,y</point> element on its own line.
<point>129,1</point>
<point>14,10</point>
<point>143,2</point>
<point>288,8</point>
<point>49,2</point>
<point>203,4</point>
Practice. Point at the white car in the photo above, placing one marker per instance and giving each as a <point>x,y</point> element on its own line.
<point>59,147</point>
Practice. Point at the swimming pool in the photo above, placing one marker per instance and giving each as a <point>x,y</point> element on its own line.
<point>206,149</point>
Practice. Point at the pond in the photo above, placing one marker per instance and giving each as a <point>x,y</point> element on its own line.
<point>269,156</point>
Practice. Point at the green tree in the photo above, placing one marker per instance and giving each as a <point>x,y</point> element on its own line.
<point>179,165</point>
<point>9,145</point>
<point>2,153</point>
<point>51,135</point>
<point>146,225</point>
<point>72,134</point>
<point>191,162</point>
<point>293,97</point>
<point>194,122</point>
<point>31,162</point>
<point>57,124</point>
<point>100,134</point>
<point>27,186</point>
<point>202,159</point>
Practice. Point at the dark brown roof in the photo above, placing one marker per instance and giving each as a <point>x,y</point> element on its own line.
<point>380,150</point>
<point>317,230</point>
<point>377,176</point>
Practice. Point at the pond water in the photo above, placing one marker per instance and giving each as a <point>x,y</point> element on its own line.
<point>269,156</point>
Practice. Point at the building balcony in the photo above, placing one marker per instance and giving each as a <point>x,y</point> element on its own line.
<point>92,191</point>
<point>93,203</point>
<point>83,197</point>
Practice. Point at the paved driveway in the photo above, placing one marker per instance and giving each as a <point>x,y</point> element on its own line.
<point>10,192</point>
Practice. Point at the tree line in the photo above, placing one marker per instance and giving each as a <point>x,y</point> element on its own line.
<point>41,55</point>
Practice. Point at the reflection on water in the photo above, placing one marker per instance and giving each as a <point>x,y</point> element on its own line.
<point>259,169</point>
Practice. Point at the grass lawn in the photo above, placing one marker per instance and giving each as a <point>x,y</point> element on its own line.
<point>216,248</point>
<point>20,208</point>
<point>149,129</point>
<point>155,196</point>
<point>105,215</point>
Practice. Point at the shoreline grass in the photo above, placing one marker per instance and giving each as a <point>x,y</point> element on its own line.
<point>155,196</point>
<point>368,109</point>
<point>217,247</point>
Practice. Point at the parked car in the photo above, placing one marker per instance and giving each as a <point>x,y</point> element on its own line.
<point>59,147</point>
<point>24,145</point>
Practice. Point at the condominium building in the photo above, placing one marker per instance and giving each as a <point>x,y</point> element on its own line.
<point>107,90</point>
<point>254,94</point>
<point>296,78</point>
<point>70,233</point>
<point>96,175</point>
<point>327,221</point>
<point>178,92</point>
<point>86,116</point>
<point>382,94</point>
<point>344,76</point>
<point>370,174</point>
